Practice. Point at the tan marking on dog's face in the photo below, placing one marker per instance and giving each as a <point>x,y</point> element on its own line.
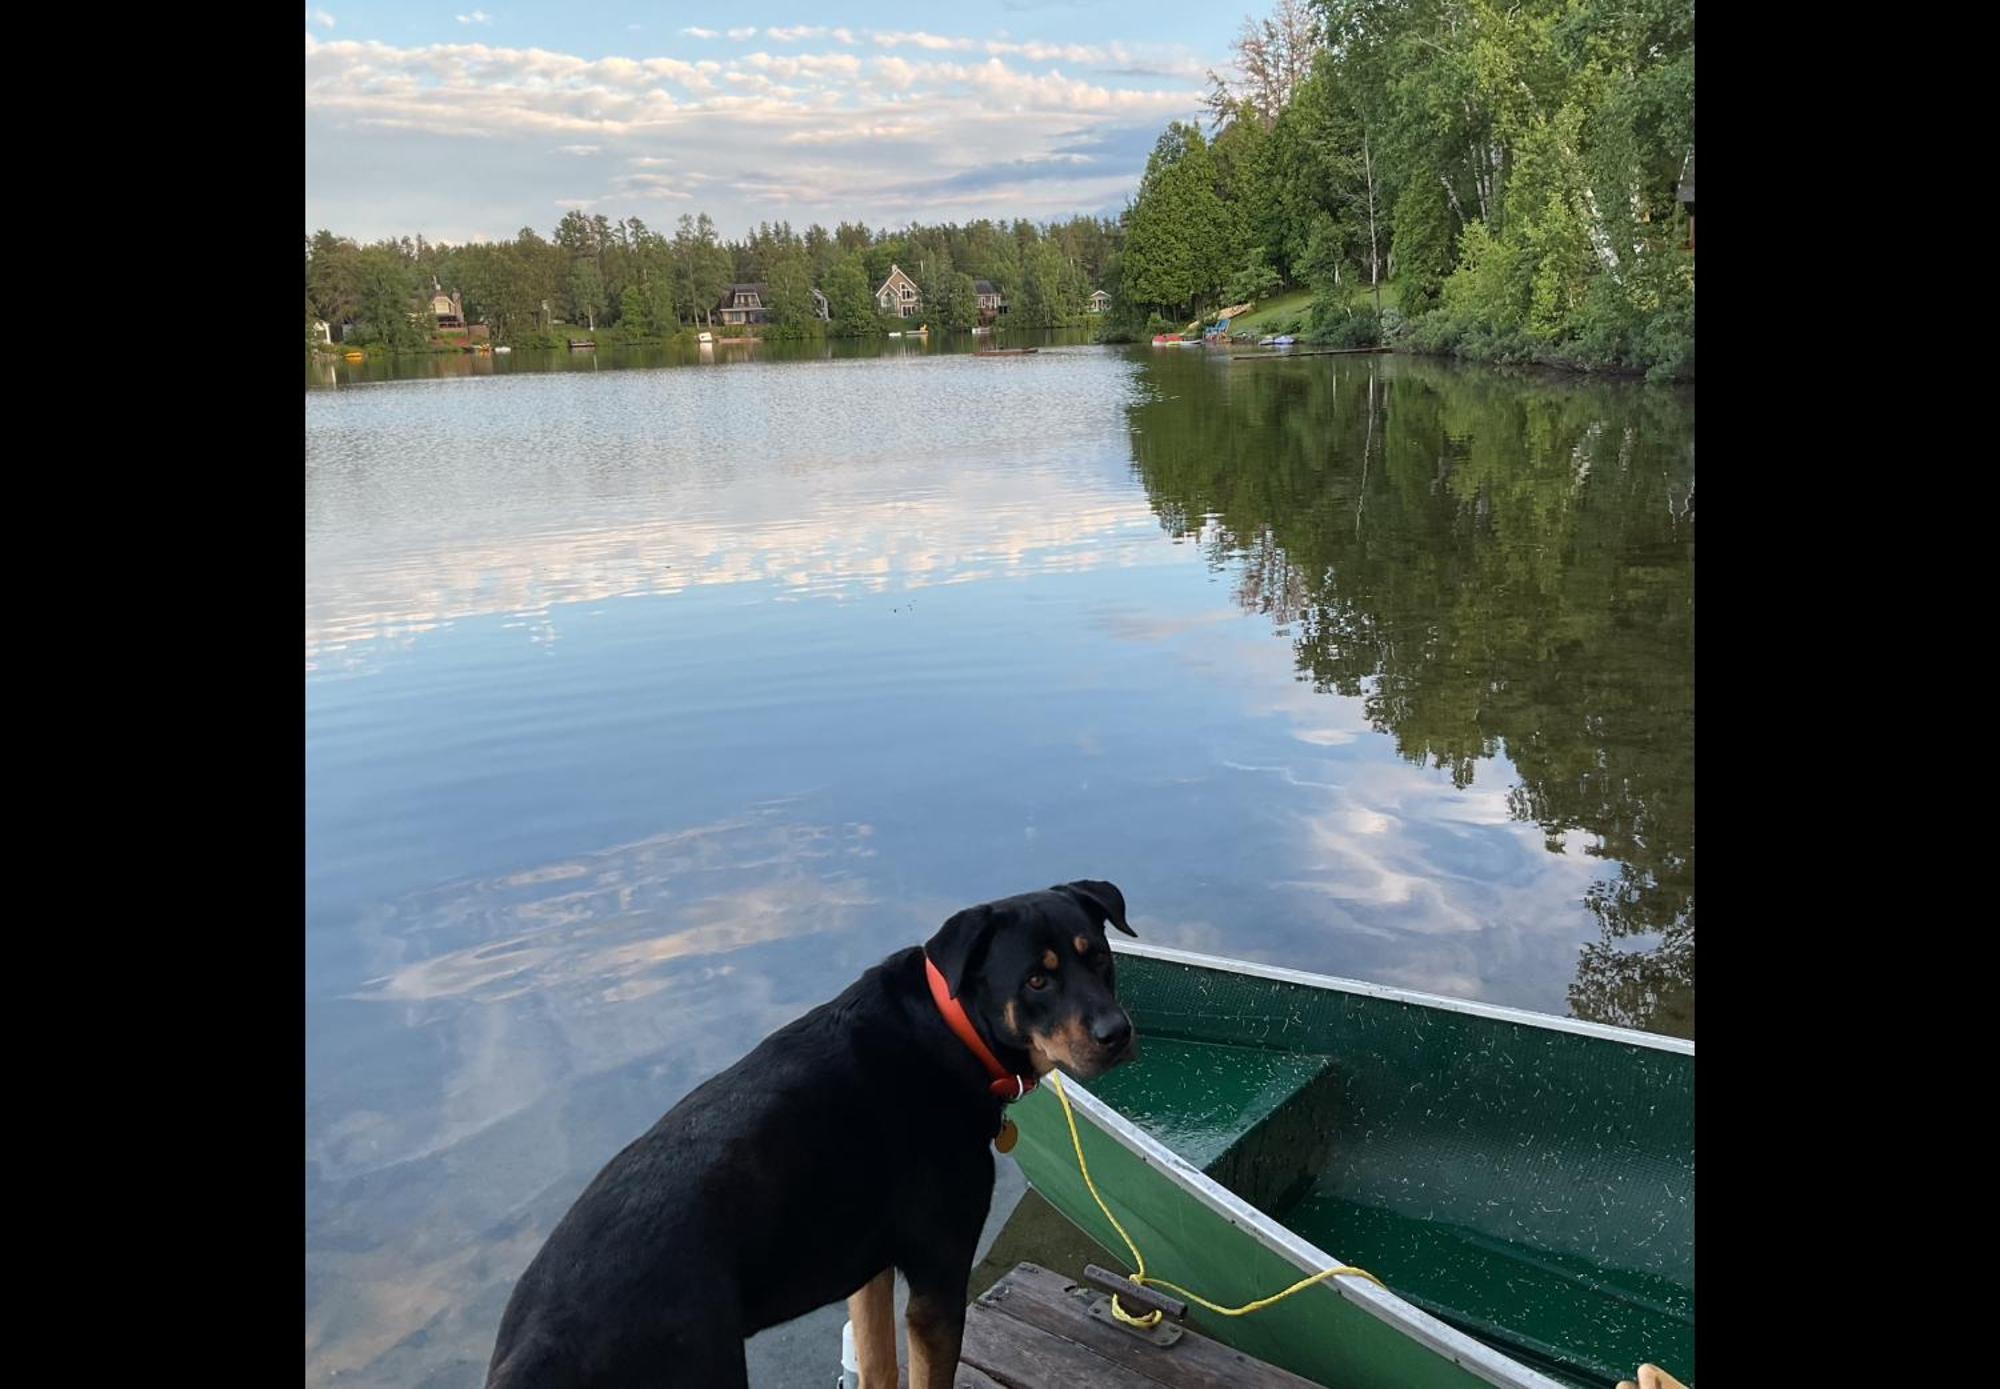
<point>1050,959</point>
<point>1068,1046</point>
<point>1082,944</point>
<point>1011,1015</point>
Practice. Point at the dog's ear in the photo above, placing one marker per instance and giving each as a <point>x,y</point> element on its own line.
<point>1102,900</point>
<point>960,945</point>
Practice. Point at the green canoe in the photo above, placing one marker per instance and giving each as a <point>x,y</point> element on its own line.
<point>1523,1183</point>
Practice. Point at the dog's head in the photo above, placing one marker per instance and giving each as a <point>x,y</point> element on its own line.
<point>1035,974</point>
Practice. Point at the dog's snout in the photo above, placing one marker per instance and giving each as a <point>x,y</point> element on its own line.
<point>1112,1030</point>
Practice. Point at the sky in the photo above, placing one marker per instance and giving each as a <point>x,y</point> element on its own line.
<point>469,123</point>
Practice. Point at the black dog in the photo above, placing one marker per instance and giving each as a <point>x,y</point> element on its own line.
<point>848,1145</point>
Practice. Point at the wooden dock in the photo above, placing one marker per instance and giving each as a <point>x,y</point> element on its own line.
<point>1034,1329</point>
<point>1309,352</point>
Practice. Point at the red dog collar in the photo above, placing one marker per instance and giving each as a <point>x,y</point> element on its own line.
<point>1006,1085</point>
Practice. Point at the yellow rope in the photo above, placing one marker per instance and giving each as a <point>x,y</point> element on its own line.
<point>1140,1276</point>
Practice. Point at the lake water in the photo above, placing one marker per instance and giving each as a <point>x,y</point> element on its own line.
<point>646,707</point>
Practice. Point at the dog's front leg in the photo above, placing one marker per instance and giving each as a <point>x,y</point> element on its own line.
<point>873,1312</point>
<point>937,1330</point>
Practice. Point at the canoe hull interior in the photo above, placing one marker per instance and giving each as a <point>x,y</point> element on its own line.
<point>1527,1186</point>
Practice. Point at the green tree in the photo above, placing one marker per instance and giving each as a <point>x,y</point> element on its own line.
<point>1254,281</point>
<point>1423,246</point>
<point>387,300</point>
<point>632,315</point>
<point>1177,232</point>
<point>954,304</point>
<point>711,268</point>
<point>850,301</point>
<point>333,277</point>
<point>792,309</point>
<point>1052,289</point>
<point>586,292</point>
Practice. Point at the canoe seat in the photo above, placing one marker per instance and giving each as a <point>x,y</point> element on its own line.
<point>1260,1122</point>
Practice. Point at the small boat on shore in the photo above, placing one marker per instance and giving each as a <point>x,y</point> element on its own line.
<point>582,345</point>
<point>1523,1184</point>
<point>1166,339</point>
<point>355,356</point>
<point>502,350</point>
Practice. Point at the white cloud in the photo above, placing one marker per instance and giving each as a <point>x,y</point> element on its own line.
<point>580,149</point>
<point>1047,52</point>
<point>847,132</point>
<point>897,73</point>
<point>695,31</point>
<point>805,64</point>
<point>843,34</point>
<point>796,32</point>
<point>894,38</point>
<point>323,19</point>
<point>476,17</point>
<point>746,32</point>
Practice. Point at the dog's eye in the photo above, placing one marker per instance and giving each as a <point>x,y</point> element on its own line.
<point>1038,981</point>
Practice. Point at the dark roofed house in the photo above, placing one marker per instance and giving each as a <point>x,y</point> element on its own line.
<point>744,304</point>
<point>992,303</point>
<point>750,303</point>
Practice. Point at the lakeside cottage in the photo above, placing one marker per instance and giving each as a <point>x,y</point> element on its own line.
<point>992,303</point>
<point>1100,302</point>
<point>748,304</point>
<point>899,294</point>
<point>448,309</point>
<point>744,304</point>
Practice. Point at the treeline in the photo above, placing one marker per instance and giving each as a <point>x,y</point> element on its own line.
<point>1511,168</point>
<point>639,283</point>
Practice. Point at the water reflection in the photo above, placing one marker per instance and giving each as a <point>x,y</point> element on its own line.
<point>336,370</point>
<point>1492,565</point>
<point>552,1007</point>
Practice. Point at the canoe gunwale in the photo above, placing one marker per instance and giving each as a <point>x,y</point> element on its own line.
<point>1491,1365</point>
<point>1497,1012</point>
